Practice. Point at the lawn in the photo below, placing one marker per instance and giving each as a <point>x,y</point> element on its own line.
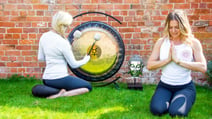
<point>16,101</point>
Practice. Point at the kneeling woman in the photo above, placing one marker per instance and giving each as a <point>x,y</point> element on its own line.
<point>177,53</point>
<point>55,50</point>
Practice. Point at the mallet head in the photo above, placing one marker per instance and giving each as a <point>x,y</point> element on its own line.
<point>77,34</point>
<point>97,37</point>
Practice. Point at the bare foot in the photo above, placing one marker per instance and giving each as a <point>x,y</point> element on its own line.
<point>60,94</point>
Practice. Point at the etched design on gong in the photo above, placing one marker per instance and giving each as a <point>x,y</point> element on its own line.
<point>95,52</point>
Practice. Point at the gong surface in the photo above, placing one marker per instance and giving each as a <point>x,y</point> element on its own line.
<point>107,55</point>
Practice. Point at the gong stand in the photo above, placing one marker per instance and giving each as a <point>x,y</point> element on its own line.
<point>107,54</point>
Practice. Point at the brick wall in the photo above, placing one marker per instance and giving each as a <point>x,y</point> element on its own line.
<point>22,22</point>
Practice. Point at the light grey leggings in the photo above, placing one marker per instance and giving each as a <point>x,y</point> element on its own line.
<point>176,100</point>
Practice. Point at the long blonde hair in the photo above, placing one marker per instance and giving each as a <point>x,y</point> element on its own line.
<point>60,21</point>
<point>184,26</point>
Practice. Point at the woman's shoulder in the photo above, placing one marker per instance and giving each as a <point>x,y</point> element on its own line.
<point>195,40</point>
<point>161,40</point>
<point>195,43</point>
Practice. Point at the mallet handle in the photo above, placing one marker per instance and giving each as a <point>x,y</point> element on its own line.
<point>91,47</point>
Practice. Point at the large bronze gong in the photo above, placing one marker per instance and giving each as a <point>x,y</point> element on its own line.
<point>107,54</point>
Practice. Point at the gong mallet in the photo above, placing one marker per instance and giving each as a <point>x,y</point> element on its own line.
<point>96,38</point>
<point>77,34</point>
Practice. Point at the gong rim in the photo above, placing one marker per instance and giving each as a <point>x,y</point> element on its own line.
<point>120,54</point>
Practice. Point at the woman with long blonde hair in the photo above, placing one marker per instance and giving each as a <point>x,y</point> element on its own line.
<point>177,53</point>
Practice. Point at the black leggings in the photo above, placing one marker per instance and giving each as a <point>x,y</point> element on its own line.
<point>52,87</point>
<point>176,100</point>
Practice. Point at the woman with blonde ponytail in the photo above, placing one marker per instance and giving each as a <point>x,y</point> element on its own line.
<point>56,51</point>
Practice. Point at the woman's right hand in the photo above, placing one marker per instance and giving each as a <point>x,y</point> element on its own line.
<point>170,54</point>
<point>87,58</point>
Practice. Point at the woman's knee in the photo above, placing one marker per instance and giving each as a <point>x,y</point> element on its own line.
<point>89,87</point>
<point>158,109</point>
<point>180,105</point>
<point>43,90</point>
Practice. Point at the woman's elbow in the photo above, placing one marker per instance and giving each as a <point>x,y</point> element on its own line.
<point>149,67</point>
<point>203,68</point>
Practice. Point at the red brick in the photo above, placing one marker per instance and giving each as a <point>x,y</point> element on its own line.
<point>4,58</point>
<point>8,36</point>
<point>132,24</point>
<point>201,11</point>
<point>126,29</point>
<point>30,64</point>
<point>206,17</point>
<point>194,5</point>
<point>140,12</point>
<point>10,7</point>
<point>40,7</point>
<point>131,1</point>
<point>209,5</point>
<point>177,1</point>
<point>105,7</point>
<point>181,6</point>
<point>99,18</point>
<point>7,24</point>
<point>203,35</point>
<point>159,17</point>
<point>13,70</point>
<point>121,7</point>
<point>92,7</point>
<point>24,36</point>
<point>34,19</point>
<point>20,58</point>
<point>24,7</point>
<point>2,30</point>
<point>206,0</point>
<point>21,69</point>
<point>14,42</point>
<point>14,13</point>
<point>1,7</point>
<point>31,53</point>
<point>14,30</point>
<point>16,36</point>
<point>166,6</point>
<point>1,53</point>
<point>30,30</point>
<point>2,64</point>
<point>12,53</point>
<point>115,13</point>
<point>12,58</point>
<point>26,41</point>
<point>23,47</point>
<point>14,64</point>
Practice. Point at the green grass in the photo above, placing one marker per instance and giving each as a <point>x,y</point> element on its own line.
<point>16,101</point>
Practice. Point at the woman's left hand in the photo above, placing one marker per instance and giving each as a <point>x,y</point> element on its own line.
<point>174,55</point>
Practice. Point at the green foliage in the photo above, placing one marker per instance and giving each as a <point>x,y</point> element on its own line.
<point>209,71</point>
<point>107,102</point>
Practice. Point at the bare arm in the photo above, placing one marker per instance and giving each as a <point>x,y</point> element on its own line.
<point>154,62</point>
<point>200,62</point>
